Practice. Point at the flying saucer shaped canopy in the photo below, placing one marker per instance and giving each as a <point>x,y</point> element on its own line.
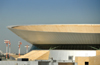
<point>59,34</point>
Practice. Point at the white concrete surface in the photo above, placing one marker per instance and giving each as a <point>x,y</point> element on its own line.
<point>64,54</point>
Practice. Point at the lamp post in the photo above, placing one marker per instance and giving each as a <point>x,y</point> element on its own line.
<point>9,48</point>
<point>27,46</point>
<point>19,43</point>
<point>6,41</point>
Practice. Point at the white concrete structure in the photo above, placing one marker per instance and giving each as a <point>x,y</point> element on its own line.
<point>64,54</point>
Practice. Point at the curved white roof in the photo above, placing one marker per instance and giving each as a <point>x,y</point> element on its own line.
<point>59,34</point>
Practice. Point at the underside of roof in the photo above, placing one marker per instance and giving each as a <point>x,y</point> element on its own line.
<point>67,46</point>
<point>58,34</point>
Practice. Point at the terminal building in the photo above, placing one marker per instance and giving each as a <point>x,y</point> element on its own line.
<point>68,44</point>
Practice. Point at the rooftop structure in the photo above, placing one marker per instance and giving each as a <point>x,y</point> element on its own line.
<point>62,36</point>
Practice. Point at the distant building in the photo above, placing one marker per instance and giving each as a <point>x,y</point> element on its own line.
<point>73,42</point>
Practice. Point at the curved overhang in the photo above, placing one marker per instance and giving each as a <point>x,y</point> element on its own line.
<point>59,33</point>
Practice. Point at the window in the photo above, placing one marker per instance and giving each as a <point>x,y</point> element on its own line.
<point>70,58</point>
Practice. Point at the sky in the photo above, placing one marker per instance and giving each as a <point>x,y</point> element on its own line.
<point>26,12</point>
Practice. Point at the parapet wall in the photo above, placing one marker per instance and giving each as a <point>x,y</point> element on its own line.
<point>81,60</point>
<point>95,60</point>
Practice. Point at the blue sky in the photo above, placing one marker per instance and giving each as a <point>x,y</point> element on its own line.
<point>24,12</point>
